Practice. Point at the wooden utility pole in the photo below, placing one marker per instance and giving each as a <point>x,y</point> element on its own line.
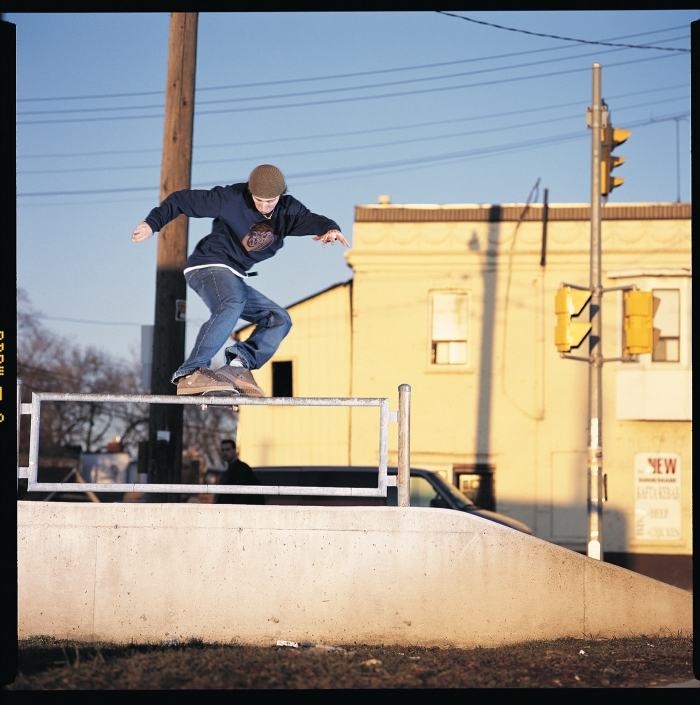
<point>165,430</point>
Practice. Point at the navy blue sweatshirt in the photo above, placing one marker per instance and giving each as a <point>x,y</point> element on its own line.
<point>241,236</point>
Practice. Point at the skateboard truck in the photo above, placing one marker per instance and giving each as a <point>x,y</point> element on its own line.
<point>233,407</point>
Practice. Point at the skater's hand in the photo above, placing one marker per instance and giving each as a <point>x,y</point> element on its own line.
<point>331,236</point>
<point>142,232</point>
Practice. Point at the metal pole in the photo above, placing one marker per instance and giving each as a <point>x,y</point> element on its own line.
<point>403,480</point>
<point>545,219</point>
<point>19,422</point>
<point>678,162</point>
<point>594,545</point>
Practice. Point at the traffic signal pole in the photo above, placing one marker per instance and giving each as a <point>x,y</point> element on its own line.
<point>639,335</point>
<point>165,421</point>
<point>594,543</point>
<point>571,298</point>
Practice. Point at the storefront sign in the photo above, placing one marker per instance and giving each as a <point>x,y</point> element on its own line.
<point>657,492</point>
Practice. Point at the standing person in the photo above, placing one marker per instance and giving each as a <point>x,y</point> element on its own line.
<point>251,221</point>
<point>237,473</point>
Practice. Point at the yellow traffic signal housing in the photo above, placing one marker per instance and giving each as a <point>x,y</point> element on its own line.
<point>640,336</point>
<point>568,302</point>
<point>610,138</point>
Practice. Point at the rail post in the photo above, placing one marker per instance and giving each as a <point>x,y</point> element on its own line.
<point>404,465</point>
<point>19,423</point>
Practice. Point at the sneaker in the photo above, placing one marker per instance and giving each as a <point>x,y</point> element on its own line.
<point>204,381</point>
<point>243,380</point>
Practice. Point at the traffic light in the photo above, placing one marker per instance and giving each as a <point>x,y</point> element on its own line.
<point>640,336</point>
<point>610,138</point>
<point>568,302</point>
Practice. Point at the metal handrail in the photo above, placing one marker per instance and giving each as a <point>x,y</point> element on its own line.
<point>385,416</point>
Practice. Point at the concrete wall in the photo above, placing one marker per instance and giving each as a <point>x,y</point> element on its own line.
<point>123,572</point>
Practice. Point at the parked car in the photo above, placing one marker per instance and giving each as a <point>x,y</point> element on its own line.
<point>427,490</point>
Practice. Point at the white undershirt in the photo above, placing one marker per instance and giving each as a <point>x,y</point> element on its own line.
<point>204,266</point>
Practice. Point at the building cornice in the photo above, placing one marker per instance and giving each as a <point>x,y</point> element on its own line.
<point>514,212</point>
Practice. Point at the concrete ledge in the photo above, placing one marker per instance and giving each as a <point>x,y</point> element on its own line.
<point>255,574</point>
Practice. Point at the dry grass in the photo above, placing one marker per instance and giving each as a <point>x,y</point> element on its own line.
<point>48,664</point>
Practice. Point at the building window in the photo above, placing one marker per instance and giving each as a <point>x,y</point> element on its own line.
<point>668,320</point>
<point>477,483</point>
<point>449,327</point>
<point>658,386</point>
<point>282,379</point>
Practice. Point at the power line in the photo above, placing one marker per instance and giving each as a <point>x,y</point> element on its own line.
<point>143,198</point>
<point>101,323</point>
<point>262,84</point>
<point>324,91</point>
<point>366,167</point>
<point>567,39</point>
<point>475,154</point>
<point>82,320</point>
<point>675,117</point>
<point>450,156</point>
<point>445,157</point>
<point>348,133</point>
<point>337,76</point>
<point>350,99</point>
<point>427,90</point>
<point>83,193</point>
<point>326,177</point>
<point>331,150</point>
<point>23,366</point>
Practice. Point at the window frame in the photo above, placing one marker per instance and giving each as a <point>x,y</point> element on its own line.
<point>650,282</point>
<point>458,366</point>
<point>668,337</point>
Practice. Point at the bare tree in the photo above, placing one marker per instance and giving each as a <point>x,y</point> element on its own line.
<point>205,429</point>
<point>50,363</point>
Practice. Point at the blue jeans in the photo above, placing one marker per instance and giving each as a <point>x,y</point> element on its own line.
<point>229,298</point>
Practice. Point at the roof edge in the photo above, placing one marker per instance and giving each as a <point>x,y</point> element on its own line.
<point>518,211</point>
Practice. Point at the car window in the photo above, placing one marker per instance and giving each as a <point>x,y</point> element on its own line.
<point>422,492</point>
<point>460,499</point>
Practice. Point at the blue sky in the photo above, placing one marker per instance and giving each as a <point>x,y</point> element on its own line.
<point>422,106</point>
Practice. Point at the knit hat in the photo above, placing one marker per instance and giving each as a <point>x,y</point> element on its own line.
<point>266,181</point>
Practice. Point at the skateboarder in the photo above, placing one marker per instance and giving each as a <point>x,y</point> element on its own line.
<point>251,221</point>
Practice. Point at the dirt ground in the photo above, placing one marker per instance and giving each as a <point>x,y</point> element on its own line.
<point>48,664</point>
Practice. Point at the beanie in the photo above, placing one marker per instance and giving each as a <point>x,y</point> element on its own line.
<point>266,181</point>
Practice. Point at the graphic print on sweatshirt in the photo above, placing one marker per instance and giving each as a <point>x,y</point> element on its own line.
<point>259,237</point>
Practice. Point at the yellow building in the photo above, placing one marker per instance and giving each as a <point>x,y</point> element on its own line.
<point>458,302</point>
